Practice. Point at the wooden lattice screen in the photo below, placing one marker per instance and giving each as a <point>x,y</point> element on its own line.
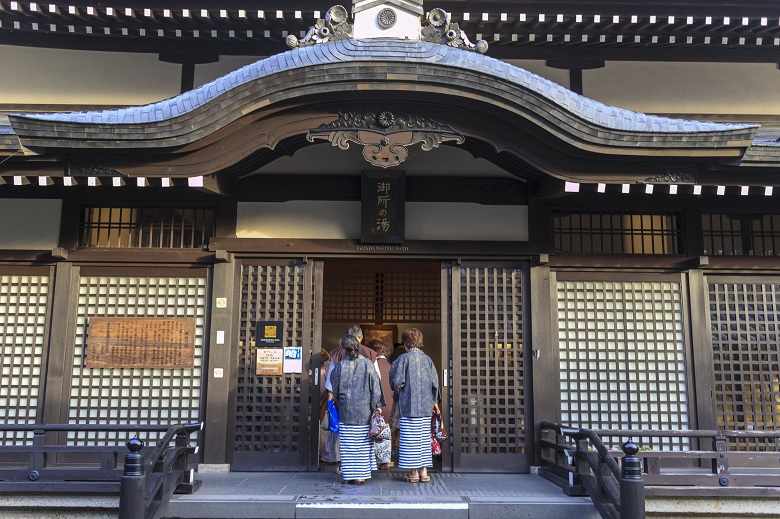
<point>622,357</point>
<point>744,318</point>
<point>488,397</point>
<point>382,293</point>
<point>135,395</point>
<point>23,307</point>
<point>271,412</point>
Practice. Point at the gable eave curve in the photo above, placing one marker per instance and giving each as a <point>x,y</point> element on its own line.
<point>372,68</point>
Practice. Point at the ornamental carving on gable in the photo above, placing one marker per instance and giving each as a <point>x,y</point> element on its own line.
<point>385,135</point>
<point>335,26</point>
<point>437,28</point>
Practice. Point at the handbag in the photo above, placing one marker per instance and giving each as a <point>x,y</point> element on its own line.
<point>378,429</point>
<point>435,445</point>
<point>437,429</point>
<point>333,417</point>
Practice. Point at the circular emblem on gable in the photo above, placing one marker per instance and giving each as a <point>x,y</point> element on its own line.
<point>386,18</point>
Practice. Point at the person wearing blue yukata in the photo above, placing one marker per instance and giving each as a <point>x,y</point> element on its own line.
<point>415,383</point>
<point>357,391</point>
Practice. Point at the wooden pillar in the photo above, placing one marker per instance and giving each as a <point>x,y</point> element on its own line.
<point>546,396</point>
<point>220,377</point>
<point>62,331</point>
<point>703,410</point>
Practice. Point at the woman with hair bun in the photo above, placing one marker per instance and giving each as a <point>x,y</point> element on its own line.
<point>357,391</point>
<point>415,384</point>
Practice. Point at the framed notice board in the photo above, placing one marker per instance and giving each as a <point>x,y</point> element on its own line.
<point>141,342</point>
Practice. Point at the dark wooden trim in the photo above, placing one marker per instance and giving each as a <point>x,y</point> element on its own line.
<point>292,248</point>
<point>544,371</point>
<point>283,188</point>
<point>145,270</point>
<point>446,360</point>
<point>69,223</point>
<point>226,217</point>
<point>142,256</point>
<point>60,344</point>
<point>187,77</point>
<point>701,354</point>
<point>217,413</point>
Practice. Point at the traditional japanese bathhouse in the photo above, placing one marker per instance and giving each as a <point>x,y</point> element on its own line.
<point>185,258</point>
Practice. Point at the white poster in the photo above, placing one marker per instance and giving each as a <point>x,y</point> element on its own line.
<point>292,359</point>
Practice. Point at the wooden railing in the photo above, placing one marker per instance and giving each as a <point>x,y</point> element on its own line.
<point>577,461</point>
<point>718,463</point>
<point>144,484</point>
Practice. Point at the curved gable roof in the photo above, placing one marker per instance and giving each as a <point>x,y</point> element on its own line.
<point>360,65</point>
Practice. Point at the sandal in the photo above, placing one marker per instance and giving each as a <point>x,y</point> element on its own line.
<point>425,479</point>
<point>412,479</point>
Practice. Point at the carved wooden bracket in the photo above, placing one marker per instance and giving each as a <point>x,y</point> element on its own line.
<point>384,136</point>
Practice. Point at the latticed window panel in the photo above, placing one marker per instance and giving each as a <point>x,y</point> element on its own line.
<point>741,234</point>
<point>592,232</point>
<point>377,294</point>
<point>269,408</point>
<point>167,227</point>
<point>745,342</point>
<point>622,357</point>
<point>135,395</point>
<point>23,305</point>
<point>490,398</point>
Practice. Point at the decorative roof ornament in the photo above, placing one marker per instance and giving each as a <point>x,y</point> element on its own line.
<point>335,26</point>
<point>402,19</point>
<point>385,134</point>
<point>438,28</point>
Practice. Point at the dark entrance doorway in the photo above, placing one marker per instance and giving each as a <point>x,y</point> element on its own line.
<point>385,298</point>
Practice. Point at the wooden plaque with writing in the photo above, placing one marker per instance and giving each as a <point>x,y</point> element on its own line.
<point>140,342</point>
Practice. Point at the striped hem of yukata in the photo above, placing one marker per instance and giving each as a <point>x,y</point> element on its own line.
<point>357,452</point>
<point>414,450</point>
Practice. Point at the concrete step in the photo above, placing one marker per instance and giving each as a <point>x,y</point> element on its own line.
<point>386,495</point>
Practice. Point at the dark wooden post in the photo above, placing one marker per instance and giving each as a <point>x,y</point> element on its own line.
<point>133,485</point>
<point>632,487</point>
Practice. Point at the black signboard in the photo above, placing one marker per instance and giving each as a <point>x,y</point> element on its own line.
<point>268,333</point>
<point>383,199</point>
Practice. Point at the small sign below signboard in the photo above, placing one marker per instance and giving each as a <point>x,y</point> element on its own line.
<point>268,333</point>
<point>269,361</point>
<point>140,342</point>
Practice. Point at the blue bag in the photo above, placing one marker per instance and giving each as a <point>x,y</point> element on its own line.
<point>333,417</point>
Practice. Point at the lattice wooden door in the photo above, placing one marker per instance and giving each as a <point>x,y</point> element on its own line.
<point>744,316</point>
<point>488,392</point>
<point>273,417</point>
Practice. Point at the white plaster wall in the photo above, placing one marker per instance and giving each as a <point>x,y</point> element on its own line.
<point>687,88</point>
<point>341,220</point>
<point>463,221</point>
<point>299,219</point>
<point>29,224</point>
<point>52,76</point>
<point>407,24</point>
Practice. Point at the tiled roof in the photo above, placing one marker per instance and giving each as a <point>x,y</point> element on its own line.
<point>402,51</point>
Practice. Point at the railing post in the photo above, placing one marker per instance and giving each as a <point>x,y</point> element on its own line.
<point>632,487</point>
<point>133,485</point>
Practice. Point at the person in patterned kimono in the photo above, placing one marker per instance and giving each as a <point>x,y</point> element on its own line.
<point>415,384</point>
<point>357,391</point>
<point>382,448</point>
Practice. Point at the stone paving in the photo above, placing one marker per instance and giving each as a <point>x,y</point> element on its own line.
<point>322,495</point>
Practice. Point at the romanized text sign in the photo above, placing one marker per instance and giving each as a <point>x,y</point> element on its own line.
<point>140,342</point>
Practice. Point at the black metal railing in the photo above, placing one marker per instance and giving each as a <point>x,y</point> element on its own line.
<point>580,464</point>
<point>143,486</point>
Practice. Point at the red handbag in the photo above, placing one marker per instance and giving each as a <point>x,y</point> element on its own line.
<point>435,445</point>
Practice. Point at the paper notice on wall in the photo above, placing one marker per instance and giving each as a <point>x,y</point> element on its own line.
<point>292,359</point>
<point>269,361</point>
